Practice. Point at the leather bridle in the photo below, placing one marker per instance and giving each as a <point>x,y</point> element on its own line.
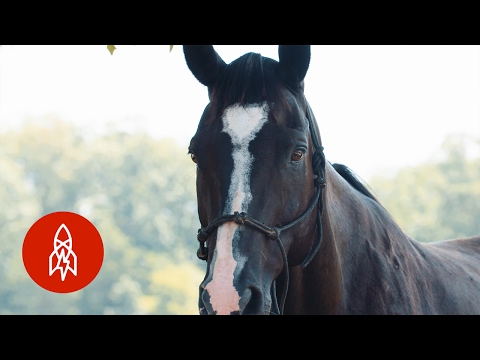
<point>273,233</point>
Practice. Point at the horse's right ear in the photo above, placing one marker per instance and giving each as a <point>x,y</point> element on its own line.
<point>204,63</point>
<point>294,61</point>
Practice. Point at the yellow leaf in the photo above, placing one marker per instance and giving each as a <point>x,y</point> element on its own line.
<point>171,47</point>
<point>111,48</point>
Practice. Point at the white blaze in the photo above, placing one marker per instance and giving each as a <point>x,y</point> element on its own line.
<point>242,124</point>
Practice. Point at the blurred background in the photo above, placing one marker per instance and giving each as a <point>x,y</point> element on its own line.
<point>106,136</point>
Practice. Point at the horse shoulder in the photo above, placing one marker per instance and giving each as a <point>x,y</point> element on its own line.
<point>453,274</point>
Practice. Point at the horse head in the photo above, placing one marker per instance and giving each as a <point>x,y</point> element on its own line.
<point>257,200</point>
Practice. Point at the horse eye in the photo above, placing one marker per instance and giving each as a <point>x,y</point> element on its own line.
<point>194,159</point>
<point>297,155</point>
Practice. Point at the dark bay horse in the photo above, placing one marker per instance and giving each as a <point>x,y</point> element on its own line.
<point>286,232</point>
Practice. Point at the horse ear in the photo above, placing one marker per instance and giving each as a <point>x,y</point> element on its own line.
<point>294,61</point>
<point>204,63</point>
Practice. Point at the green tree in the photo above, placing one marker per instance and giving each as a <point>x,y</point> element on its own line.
<point>140,194</point>
<point>437,200</point>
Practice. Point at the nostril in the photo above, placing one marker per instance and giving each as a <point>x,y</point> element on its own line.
<point>201,306</point>
<point>251,302</point>
<point>245,301</point>
<point>202,309</point>
<point>204,305</point>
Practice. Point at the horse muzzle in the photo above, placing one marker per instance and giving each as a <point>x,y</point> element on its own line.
<point>251,301</point>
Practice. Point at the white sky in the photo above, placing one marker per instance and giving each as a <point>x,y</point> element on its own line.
<point>379,108</point>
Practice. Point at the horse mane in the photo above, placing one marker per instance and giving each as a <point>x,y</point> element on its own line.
<point>354,180</point>
<point>250,79</point>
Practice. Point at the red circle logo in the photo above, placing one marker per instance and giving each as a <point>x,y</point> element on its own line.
<point>62,252</point>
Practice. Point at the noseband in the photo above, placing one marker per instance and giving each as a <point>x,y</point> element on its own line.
<point>273,233</point>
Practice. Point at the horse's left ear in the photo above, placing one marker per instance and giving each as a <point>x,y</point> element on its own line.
<point>294,61</point>
<point>204,63</point>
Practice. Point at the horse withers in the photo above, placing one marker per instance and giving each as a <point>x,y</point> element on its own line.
<point>285,232</point>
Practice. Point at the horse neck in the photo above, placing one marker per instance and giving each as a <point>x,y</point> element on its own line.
<point>355,229</point>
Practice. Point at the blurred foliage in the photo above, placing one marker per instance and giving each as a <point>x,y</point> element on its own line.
<point>138,192</point>
<point>436,200</point>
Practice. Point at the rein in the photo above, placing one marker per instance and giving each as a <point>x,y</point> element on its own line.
<point>273,233</point>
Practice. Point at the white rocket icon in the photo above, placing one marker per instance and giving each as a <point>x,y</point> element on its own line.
<point>62,254</point>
